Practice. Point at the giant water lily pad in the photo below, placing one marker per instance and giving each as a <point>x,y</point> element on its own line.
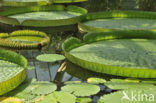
<point>24,39</point>
<point>131,54</point>
<point>19,3</point>
<point>118,20</point>
<point>52,15</point>
<point>12,70</point>
<point>46,18</point>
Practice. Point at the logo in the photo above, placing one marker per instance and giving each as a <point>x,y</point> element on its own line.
<point>137,96</point>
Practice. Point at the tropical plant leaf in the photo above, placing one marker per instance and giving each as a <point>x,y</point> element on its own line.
<point>122,23</point>
<point>58,97</point>
<point>94,80</point>
<point>53,15</point>
<point>10,100</point>
<point>83,100</point>
<point>107,53</point>
<point>117,20</point>
<point>50,57</point>
<point>24,39</point>
<point>30,90</point>
<point>81,89</point>
<point>8,70</point>
<point>129,96</point>
<point>42,88</point>
<point>12,70</point>
<point>124,84</point>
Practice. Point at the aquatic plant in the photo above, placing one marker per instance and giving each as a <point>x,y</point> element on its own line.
<point>52,18</point>
<point>50,57</point>
<point>20,3</point>
<point>24,40</point>
<point>81,89</point>
<point>118,20</point>
<point>12,70</point>
<point>115,53</point>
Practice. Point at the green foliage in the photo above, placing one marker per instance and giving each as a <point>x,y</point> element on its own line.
<point>4,35</point>
<point>71,43</point>
<point>83,100</point>
<point>70,18</point>
<point>95,53</point>
<point>81,89</point>
<point>61,97</point>
<point>28,33</point>
<point>31,90</point>
<point>50,57</point>
<point>94,80</point>
<point>24,39</point>
<point>12,70</point>
<point>141,96</point>
<point>126,85</point>
<point>115,20</point>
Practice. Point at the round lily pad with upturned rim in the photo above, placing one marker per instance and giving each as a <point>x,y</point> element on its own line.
<point>121,53</point>
<point>21,3</point>
<point>12,70</point>
<point>50,57</point>
<point>118,20</point>
<point>43,16</point>
<point>24,40</point>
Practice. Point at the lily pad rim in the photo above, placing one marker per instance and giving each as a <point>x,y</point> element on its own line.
<point>108,68</point>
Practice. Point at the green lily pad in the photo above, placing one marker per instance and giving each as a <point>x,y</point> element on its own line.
<point>50,57</point>
<point>53,15</point>
<point>122,23</point>
<point>94,80</point>
<point>30,90</point>
<point>118,53</point>
<point>118,20</point>
<point>12,70</point>
<point>81,89</point>
<point>42,88</point>
<point>129,96</point>
<point>124,84</point>
<point>83,100</point>
<point>58,97</point>
<point>8,70</point>
<point>24,39</point>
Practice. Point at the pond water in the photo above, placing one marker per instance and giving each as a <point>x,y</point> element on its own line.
<point>46,71</point>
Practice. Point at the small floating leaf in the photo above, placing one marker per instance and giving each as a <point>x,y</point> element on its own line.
<point>29,90</point>
<point>93,80</point>
<point>81,89</point>
<point>50,57</point>
<point>58,97</point>
<point>42,88</point>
